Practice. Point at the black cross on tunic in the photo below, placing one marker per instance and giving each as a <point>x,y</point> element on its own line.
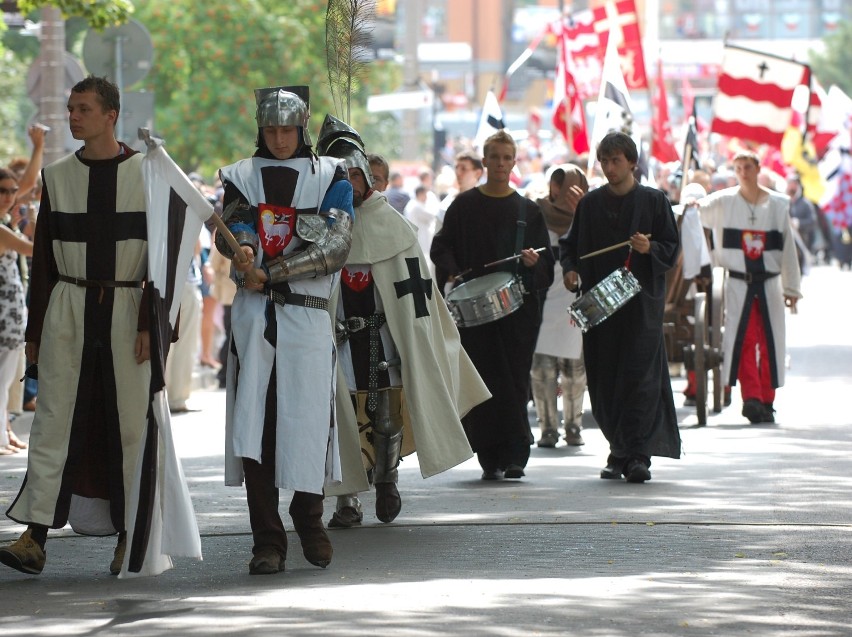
<point>418,287</point>
<point>764,67</point>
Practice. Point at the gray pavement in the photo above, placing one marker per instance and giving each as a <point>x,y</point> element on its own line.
<point>749,533</point>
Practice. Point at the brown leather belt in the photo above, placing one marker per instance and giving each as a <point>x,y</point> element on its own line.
<point>92,283</point>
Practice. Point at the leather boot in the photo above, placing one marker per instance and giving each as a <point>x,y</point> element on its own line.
<point>306,510</point>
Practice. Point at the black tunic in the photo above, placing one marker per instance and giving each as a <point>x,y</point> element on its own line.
<point>479,229</point>
<point>625,356</point>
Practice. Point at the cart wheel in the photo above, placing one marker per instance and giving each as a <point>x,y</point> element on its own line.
<point>699,344</point>
<point>717,324</point>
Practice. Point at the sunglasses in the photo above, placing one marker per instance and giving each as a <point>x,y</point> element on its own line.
<point>9,191</point>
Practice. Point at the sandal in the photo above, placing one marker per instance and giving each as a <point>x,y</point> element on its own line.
<point>8,451</point>
<point>15,442</point>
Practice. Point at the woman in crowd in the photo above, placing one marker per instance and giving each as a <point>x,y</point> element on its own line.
<point>12,308</point>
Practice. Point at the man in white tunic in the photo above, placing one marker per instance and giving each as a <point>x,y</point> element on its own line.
<point>754,242</point>
<point>291,213</point>
<point>94,439</point>
<point>409,381</point>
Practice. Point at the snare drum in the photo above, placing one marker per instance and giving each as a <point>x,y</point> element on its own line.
<point>485,299</point>
<point>603,300</point>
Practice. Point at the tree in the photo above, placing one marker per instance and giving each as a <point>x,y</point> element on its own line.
<point>832,66</point>
<point>210,56</point>
<point>98,13</point>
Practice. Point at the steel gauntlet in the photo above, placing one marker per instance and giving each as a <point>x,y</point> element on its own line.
<point>326,251</point>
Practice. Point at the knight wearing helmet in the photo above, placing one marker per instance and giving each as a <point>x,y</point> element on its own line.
<point>291,213</point>
<point>403,377</point>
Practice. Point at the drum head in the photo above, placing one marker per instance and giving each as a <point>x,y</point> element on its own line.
<point>479,286</point>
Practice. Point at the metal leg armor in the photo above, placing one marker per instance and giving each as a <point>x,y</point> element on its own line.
<point>387,442</point>
<point>543,377</point>
<point>572,378</point>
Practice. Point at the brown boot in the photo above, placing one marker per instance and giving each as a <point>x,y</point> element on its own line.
<point>306,511</point>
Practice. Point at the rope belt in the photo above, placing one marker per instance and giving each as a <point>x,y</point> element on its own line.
<point>302,300</point>
<point>92,283</point>
<point>752,277</point>
<point>374,323</point>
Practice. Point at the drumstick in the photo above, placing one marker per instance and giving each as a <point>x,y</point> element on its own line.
<point>514,257</point>
<point>610,248</point>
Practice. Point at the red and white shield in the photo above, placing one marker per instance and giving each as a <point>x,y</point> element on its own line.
<point>754,242</point>
<point>356,278</point>
<point>275,228</point>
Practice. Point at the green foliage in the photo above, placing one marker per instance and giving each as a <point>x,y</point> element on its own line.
<point>15,108</point>
<point>210,56</point>
<point>98,13</point>
<point>832,66</point>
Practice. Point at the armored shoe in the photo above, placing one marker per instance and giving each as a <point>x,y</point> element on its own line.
<point>266,561</point>
<point>768,413</point>
<point>549,438</point>
<point>348,513</point>
<point>388,502</point>
<point>24,555</point>
<point>118,556</point>
<point>572,436</point>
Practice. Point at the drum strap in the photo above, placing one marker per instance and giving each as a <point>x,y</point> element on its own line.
<point>522,226</point>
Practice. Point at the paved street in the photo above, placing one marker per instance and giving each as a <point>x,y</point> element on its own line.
<point>749,533</point>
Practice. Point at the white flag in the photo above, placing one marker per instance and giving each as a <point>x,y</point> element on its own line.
<point>614,111</point>
<point>490,121</point>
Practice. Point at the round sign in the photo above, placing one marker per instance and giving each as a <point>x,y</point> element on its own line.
<point>127,48</point>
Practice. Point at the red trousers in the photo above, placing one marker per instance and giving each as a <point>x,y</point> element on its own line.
<point>753,373</point>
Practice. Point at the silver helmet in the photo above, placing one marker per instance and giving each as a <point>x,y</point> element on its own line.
<point>339,139</point>
<point>284,106</point>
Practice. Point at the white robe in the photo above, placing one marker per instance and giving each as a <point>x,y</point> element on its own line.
<point>440,383</point>
<point>730,218</point>
<point>558,335</point>
<point>307,457</point>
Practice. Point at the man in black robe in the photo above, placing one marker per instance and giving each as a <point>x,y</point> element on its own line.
<point>626,364</point>
<point>482,225</point>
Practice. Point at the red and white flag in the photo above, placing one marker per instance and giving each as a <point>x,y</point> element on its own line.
<point>755,95</point>
<point>662,142</point>
<point>590,30</point>
<point>569,117</point>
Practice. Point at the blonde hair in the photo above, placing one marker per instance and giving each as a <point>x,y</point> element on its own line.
<point>500,137</point>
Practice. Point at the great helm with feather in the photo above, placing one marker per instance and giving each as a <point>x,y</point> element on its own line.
<point>339,139</point>
<point>284,106</point>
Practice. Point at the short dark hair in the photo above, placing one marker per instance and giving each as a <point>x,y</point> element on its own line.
<point>617,142</point>
<point>472,157</point>
<point>106,91</point>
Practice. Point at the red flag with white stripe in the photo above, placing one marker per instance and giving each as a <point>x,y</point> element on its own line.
<point>755,95</point>
<point>588,34</point>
